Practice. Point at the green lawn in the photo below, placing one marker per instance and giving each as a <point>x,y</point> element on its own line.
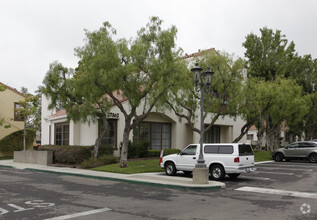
<point>137,166</point>
<point>146,166</point>
<point>262,156</point>
<point>6,158</point>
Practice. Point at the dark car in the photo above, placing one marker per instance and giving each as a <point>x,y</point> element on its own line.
<point>297,150</point>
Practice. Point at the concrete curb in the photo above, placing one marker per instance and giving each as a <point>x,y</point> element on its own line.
<point>138,182</point>
<point>140,179</point>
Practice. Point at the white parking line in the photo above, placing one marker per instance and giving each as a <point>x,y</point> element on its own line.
<point>80,214</point>
<point>279,168</point>
<point>256,178</point>
<point>278,192</point>
<point>298,165</point>
<point>277,173</point>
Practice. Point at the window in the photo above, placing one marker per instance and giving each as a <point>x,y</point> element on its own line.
<point>211,149</point>
<point>190,150</point>
<point>110,138</point>
<point>158,134</point>
<point>306,145</point>
<point>245,150</point>
<point>212,135</point>
<point>61,134</point>
<point>17,116</point>
<point>225,149</point>
<point>249,136</point>
<point>292,146</point>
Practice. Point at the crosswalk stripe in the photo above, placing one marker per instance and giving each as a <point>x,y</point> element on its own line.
<point>95,211</point>
<point>278,192</point>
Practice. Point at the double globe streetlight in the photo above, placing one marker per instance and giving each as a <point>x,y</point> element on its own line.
<point>202,81</point>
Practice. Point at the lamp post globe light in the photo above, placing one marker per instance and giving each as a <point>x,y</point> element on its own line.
<point>202,80</point>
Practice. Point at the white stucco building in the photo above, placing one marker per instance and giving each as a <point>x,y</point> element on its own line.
<point>161,129</point>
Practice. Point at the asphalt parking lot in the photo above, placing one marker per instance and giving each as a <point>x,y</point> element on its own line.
<point>284,190</point>
<point>293,176</point>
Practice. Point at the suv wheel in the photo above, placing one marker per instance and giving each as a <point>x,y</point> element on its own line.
<point>170,169</point>
<point>279,157</point>
<point>313,158</point>
<point>217,172</point>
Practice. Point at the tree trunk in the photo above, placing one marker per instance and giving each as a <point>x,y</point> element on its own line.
<point>277,134</point>
<point>24,134</point>
<point>244,131</point>
<point>260,137</point>
<point>101,135</point>
<point>124,151</point>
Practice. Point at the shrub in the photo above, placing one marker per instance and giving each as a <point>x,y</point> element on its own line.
<point>69,154</point>
<point>91,163</point>
<point>108,159</point>
<point>14,141</point>
<point>138,149</point>
<point>105,150</point>
<point>102,160</point>
<point>157,153</point>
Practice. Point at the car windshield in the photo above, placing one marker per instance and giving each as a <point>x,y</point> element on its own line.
<point>245,150</point>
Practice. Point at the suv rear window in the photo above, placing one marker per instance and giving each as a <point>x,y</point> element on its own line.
<point>245,149</point>
<point>218,149</point>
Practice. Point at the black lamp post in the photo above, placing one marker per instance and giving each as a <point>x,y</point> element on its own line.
<point>204,80</point>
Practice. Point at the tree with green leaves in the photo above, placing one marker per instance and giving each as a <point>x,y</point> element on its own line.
<point>27,111</point>
<point>267,104</point>
<point>223,98</point>
<point>304,71</point>
<point>289,105</point>
<point>77,94</point>
<point>269,55</point>
<point>271,58</point>
<point>134,75</point>
<point>2,88</point>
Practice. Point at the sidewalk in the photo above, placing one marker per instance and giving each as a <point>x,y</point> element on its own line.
<point>156,179</point>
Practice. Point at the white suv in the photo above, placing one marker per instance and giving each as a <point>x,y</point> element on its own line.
<point>221,159</point>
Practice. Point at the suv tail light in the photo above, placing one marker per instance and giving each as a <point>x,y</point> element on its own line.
<point>237,160</point>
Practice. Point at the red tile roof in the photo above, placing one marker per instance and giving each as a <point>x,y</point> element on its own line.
<point>59,113</point>
<point>199,53</point>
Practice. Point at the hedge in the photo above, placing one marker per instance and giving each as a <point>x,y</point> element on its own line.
<point>138,149</point>
<point>75,154</point>
<point>157,153</point>
<point>69,154</point>
<point>141,149</point>
<point>101,161</point>
<point>14,141</point>
<point>105,150</point>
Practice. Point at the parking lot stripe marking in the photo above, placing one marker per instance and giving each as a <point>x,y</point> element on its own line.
<point>278,192</point>
<point>278,173</point>
<point>95,211</point>
<point>256,178</point>
<point>298,165</point>
<point>279,168</point>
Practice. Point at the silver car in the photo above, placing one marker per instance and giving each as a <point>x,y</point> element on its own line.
<point>297,150</point>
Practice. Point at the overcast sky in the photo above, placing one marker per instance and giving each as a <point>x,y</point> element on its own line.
<point>36,33</point>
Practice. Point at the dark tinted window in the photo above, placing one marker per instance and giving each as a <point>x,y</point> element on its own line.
<point>211,149</point>
<point>306,145</point>
<point>225,149</point>
<point>245,149</point>
<point>295,145</point>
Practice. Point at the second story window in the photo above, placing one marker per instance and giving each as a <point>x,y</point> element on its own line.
<point>17,115</point>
